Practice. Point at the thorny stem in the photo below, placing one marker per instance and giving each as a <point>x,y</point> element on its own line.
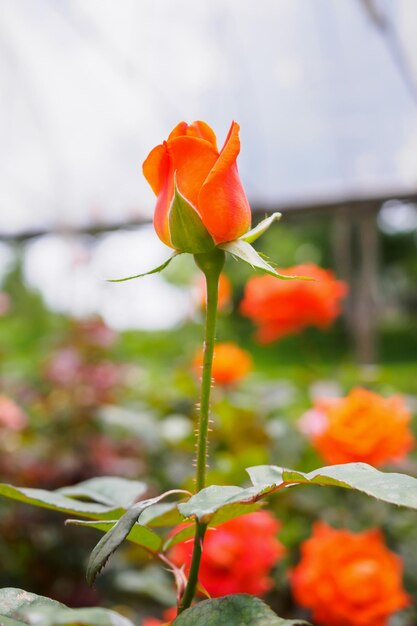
<point>189,592</point>
<point>211,265</point>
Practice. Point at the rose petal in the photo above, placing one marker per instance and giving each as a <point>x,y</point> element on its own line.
<point>192,159</point>
<point>197,129</point>
<point>222,201</point>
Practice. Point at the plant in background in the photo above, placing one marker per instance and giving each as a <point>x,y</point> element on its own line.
<point>363,427</point>
<point>284,308</point>
<point>238,555</point>
<point>202,210</point>
<point>11,415</point>
<point>348,579</point>
<point>168,615</point>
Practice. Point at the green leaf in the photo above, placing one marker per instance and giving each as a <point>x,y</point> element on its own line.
<point>14,603</point>
<point>182,535</point>
<point>55,501</point>
<point>234,610</point>
<point>160,515</point>
<point>231,511</point>
<point>9,621</point>
<point>188,233</point>
<point>78,617</point>
<point>117,534</point>
<point>243,250</point>
<point>108,490</point>
<point>19,607</point>
<point>224,514</point>
<point>210,500</point>
<point>394,488</point>
<point>141,535</point>
<point>397,489</point>
<point>253,234</point>
<point>156,270</point>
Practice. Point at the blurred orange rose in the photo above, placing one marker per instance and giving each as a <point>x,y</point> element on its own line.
<point>237,555</point>
<point>206,178</point>
<point>362,427</point>
<point>348,579</point>
<point>230,363</point>
<point>224,296</point>
<point>285,307</point>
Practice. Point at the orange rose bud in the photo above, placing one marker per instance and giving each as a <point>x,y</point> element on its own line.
<point>362,427</point>
<point>284,307</point>
<point>348,579</point>
<point>230,363</point>
<point>207,182</point>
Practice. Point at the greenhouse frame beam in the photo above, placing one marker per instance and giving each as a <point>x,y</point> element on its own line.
<point>351,205</point>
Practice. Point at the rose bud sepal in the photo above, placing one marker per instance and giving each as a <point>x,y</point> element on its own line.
<point>155,270</point>
<point>188,233</point>
<point>241,249</point>
<point>261,228</point>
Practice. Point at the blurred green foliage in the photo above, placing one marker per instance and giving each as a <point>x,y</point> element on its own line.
<point>127,406</point>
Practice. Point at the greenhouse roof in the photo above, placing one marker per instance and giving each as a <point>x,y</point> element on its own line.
<point>324,93</point>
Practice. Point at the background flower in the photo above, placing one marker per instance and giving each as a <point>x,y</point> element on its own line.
<point>238,555</point>
<point>348,579</point>
<point>230,363</point>
<point>168,616</point>
<point>363,427</point>
<point>284,307</point>
<point>11,415</point>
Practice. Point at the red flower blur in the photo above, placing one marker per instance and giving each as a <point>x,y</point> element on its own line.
<point>284,307</point>
<point>237,556</point>
<point>168,616</point>
<point>348,579</point>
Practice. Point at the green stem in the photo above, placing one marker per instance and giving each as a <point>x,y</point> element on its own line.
<point>189,592</point>
<point>211,265</point>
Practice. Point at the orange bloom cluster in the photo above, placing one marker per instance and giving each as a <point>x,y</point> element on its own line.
<point>284,307</point>
<point>230,363</point>
<point>348,579</point>
<point>362,427</point>
<point>237,556</point>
